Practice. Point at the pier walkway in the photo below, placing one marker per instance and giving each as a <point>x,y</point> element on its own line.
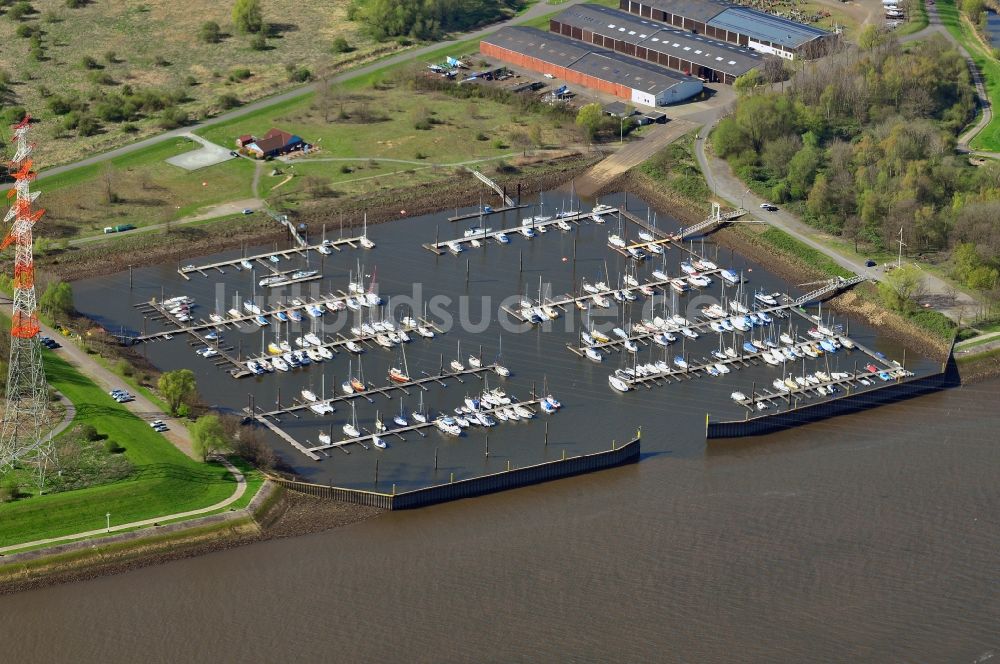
<point>263,260</point>
<point>417,427</point>
<point>439,247</point>
<point>507,200</point>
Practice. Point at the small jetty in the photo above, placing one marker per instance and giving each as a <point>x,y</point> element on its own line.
<point>441,247</point>
<point>264,263</point>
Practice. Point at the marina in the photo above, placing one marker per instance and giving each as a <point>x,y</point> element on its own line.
<point>481,310</point>
<point>264,263</point>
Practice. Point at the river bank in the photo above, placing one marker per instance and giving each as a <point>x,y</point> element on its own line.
<point>273,514</point>
<point>751,240</point>
<point>182,242</point>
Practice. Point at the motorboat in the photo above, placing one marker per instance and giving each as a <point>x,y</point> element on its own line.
<point>295,315</point>
<point>475,362</point>
<point>502,238</point>
<point>353,347</point>
<point>476,231</point>
<point>722,368</point>
<point>680,362</point>
<point>738,396</point>
<point>454,247</point>
<point>616,241</point>
<point>646,236</point>
<point>635,253</point>
<point>501,370</point>
<point>563,225</point>
<point>251,307</point>
<point>324,438</point>
<point>679,285</point>
<point>729,276</point>
<point>593,354</point>
<point>280,364</point>
<point>308,395</point>
<point>448,426</point>
<point>274,349</point>
<point>314,354</point>
<point>527,232</point>
<point>600,301</point>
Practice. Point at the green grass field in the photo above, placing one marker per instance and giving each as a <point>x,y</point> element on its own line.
<point>146,191</point>
<point>155,44</point>
<point>989,138</point>
<point>918,19</point>
<point>166,480</point>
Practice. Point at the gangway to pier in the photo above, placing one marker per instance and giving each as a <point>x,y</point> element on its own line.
<point>507,200</point>
<point>832,286</point>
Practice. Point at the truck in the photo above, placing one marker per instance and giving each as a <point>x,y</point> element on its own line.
<point>120,228</point>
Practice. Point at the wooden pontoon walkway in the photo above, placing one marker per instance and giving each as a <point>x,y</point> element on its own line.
<point>441,248</point>
<point>263,259</point>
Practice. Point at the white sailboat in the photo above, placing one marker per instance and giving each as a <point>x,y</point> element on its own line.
<point>351,428</point>
<point>364,241</point>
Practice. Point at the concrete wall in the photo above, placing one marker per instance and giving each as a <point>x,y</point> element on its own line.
<point>847,403</point>
<point>476,486</point>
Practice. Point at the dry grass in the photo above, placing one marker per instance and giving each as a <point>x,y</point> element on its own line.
<point>141,32</point>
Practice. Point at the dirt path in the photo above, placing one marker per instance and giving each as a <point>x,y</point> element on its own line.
<point>631,155</point>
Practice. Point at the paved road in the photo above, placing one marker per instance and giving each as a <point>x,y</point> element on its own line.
<point>935,27</point>
<point>725,184</point>
<point>534,11</point>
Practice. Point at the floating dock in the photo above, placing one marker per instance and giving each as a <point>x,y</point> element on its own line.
<point>441,248</point>
<point>263,260</point>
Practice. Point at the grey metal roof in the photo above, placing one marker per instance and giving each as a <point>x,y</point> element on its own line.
<point>767,27</point>
<point>547,46</point>
<point>699,10</point>
<point>708,52</point>
<point>594,61</point>
<point>630,72</point>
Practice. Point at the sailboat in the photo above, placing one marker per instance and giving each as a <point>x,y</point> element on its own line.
<point>346,386</point>
<point>456,364</point>
<point>364,241</point>
<point>500,370</point>
<point>420,415</point>
<point>379,424</point>
<point>351,428</point>
<point>401,418</point>
<point>400,375</point>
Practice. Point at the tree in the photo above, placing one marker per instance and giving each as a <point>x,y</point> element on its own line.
<point>177,387</point>
<point>589,119</point>
<point>210,32</point>
<point>902,288</point>
<point>248,16</point>
<point>57,300</point>
<point>208,436</point>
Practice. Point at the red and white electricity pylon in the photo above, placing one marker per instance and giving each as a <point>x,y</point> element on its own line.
<point>24,438</point>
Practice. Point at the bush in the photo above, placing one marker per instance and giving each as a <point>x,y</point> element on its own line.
<point>25,31</point>
<point>112,447</point>
<point>240,74</point>
<point>259,42</point>
<point>498,144</point>
<point>423,124</point>
<point>210,32</point>
<point>88,126</point>
<point>248,17</point>
<point>20,10</point>
<point>228,101</point>
<point>161,61</point>
<point>190,81</point>
<point>89,432</point>
<point>76,4</point>
<point>88,62</point>
<point>171,118</point>
<point>340,45</point>
<point>100,78</point>
<point>344,168</point>
<point>299,74</point>
<point>10,489</point>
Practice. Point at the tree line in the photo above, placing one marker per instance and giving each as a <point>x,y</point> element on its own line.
<point>427,19</point>
<point>862,145</point>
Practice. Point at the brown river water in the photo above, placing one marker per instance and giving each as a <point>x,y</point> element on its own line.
<point>871,537</point>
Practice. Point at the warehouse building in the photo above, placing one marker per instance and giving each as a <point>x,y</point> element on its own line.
<point>731,23</point>
<point>694,55</point>
<point>588,66</point>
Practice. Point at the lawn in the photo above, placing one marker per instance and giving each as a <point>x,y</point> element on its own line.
<point>166,481</point>
<point>358,127</point>
<point>155,44</point>
<point>989,138</point>
<point>143,188</point>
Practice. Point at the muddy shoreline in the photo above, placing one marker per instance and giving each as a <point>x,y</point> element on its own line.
<point>182,242</point>
<point>291,515</point>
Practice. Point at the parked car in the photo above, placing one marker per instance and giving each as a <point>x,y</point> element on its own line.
<point>768,206</point>
<point>247,211</point>
<point>870,263</point>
